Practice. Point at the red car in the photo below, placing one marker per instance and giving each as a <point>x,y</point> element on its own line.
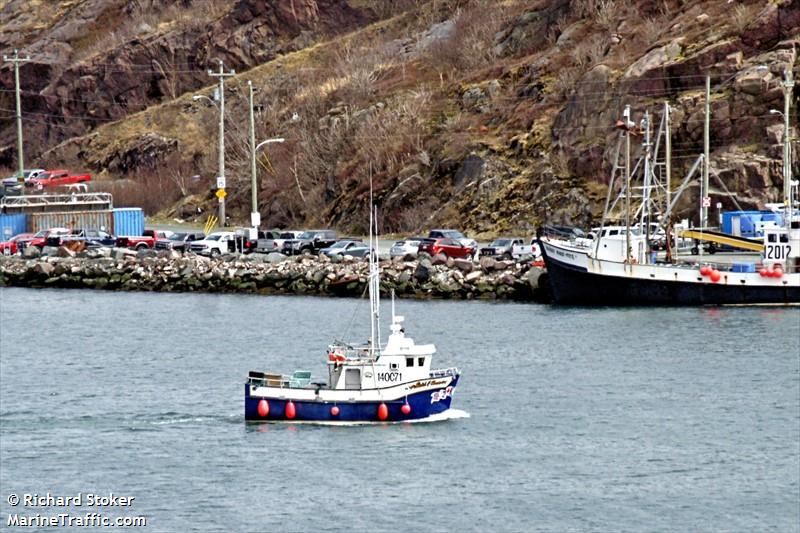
<point>58,177</point>
<point>10,247</point>
<point>40,239</point>
<point>448,247</point>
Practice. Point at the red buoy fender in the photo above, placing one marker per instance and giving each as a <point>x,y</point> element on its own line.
<point>383,412</point>
<point>405,409</point>
<point>335,410</point>
<point>263,408</point>
<point>705,270</point>
<point>763,272</point>
<point>715,276</point>
<point>291,411</point>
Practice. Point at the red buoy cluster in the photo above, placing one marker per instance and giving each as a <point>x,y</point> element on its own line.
<point>713,274</point>
<point>776,271</point>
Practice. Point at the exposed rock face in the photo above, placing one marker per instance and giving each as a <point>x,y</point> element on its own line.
<point>495,122</point>
<point>151,64</point>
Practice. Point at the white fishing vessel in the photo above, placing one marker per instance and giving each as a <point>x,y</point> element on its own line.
<point>365,383</point>
<point>620,267</point>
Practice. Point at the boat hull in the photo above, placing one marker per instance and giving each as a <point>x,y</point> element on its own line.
<point>573,283</point>
<point>423,404</point>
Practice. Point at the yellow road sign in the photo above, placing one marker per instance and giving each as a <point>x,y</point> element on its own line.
<point>221,193</point>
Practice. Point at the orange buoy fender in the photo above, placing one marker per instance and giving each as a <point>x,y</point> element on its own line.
<point>263,408</point>
<point>405,409</point>
<point>291,410</point>
<point>715,276</point>
<point>335,410</point>
<point>383,412</point>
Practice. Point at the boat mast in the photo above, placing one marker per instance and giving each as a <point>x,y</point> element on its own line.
<point>374,293</point>
<point>788,85</point>
<point>627,116</point>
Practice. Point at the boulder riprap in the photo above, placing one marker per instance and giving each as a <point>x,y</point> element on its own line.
<point>168,272</point>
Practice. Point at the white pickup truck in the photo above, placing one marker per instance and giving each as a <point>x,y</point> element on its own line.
<point>526,250</point>
<point>510,248</point>
<point>218,243</point>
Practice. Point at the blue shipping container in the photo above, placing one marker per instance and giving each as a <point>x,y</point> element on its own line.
<point>11,225</point>
<point>128,221</point>
<point>743,223</point>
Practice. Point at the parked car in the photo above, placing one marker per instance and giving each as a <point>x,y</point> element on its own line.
<point>40,238</point>
<point>179,241</point>
<point>346,247</point>
<point>58,177</point>
<point>147,239</point>
<point>13,181</point>
<point>564,232</point>
<point>22,240</point>
<point>275,240</point>
<point>409,246</point>
<point>452,234</point>
<point>214,244</point>
<point>503,247</point>
<point>527,250</point>
<point>14,244</point>
<point>448,247</point>
<point>93,238</point>
<point>309,242</point>
<point>246,240</point>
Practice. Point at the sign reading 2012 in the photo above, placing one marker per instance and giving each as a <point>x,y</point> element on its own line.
<point>390,376</point>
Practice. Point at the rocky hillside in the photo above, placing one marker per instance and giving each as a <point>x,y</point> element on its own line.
<point>490,115</point>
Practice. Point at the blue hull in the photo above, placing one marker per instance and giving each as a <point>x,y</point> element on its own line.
<point>421,403</point>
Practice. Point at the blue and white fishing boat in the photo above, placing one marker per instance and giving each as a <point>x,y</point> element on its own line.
<point>365,383</point>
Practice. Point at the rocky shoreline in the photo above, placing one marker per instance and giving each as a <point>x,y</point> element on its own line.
<point>169,271</point>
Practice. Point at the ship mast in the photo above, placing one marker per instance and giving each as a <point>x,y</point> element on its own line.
<point>374,276</point>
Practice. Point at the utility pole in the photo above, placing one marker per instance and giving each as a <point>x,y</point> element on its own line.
<point>255,216</point>
<point>221,177</point>
<point>788,85</point>
<point>16,60</point>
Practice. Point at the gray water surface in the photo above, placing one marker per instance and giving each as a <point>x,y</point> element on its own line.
<point>580,419</point>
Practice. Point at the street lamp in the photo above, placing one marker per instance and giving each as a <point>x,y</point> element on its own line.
<point>255,216</point>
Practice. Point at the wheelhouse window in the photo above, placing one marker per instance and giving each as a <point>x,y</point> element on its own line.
<point>352,379</point>
<point>771,237</point>
<point>409,361</point>
<point>421,361</point>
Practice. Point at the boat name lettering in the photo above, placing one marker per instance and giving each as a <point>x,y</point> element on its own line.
<point>564,254</point>
<point>439,395</point>
<point>428,383</point>
<point>390,376</point>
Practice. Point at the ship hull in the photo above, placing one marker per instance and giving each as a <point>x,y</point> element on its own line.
<point>423,401</point>
<point>572,282</point>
